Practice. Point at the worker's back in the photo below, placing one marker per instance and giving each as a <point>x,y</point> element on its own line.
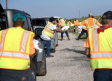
<point>15,48</point>
<point>100,48</point>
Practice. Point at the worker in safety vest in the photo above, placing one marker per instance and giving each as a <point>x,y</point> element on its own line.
<point>62,24</point>
<point>76,22</point>
<point>99,49</point>
<point>16,47</point>
<point>68,24</point>
<point>89,23</point>
<point>47,34</point>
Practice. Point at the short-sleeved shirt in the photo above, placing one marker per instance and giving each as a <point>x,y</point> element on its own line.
<point>44,36</point>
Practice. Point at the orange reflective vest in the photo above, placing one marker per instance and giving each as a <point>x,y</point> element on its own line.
<point>15,48</point>
<point>62,23</point>
<point>68,24</point>
<point>47,31</point>
<point>100,48</point>
<point>76,23</point>
<point>90,23</point>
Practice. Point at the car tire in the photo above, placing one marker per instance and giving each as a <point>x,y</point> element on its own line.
<point>33,71</point>
<point>43,71</point>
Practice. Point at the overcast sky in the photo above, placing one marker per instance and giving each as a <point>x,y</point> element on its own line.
<point>63,8</point>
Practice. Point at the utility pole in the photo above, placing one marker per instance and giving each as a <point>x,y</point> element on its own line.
<point>79,13</point>
<point>6,5</point>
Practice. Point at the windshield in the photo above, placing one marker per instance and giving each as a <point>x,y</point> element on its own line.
<point>47,19</point>
<point>2,22</point>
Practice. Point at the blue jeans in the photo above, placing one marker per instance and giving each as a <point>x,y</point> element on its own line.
<point>48,46</point>
<point>103,75</point>
<point>70,29</point>
<point>16,75</point>
<point>63,33</point>
<point>82,32</point>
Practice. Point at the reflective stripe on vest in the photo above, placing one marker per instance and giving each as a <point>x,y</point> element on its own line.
<point>47,31</point>
<point>88,27</point>
<point>14,55</point>
<point>3,36</point>
<point>24,41</point>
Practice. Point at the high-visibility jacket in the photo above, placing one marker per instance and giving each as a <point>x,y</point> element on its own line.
<point>62,23</point>
<point>76,22</point>
<point>90,23</point>
<point>47,31</point>
<point>100,48</point>
<point>15,48</point>
<point>68,24</point>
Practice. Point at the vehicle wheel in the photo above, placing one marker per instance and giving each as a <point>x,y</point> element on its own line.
<point>43,71</point>
<point>33,70</point>
<point>34,74</point>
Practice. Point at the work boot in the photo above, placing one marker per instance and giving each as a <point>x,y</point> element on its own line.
<point>68,38</point>
<point>61,39</point>
<point>77,39</point>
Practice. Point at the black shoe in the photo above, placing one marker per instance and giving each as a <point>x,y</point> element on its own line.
<point>68,39</point>
<point>77,39</point>
<point>50,56</point>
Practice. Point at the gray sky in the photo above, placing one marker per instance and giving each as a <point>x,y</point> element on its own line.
<point>63,8</point>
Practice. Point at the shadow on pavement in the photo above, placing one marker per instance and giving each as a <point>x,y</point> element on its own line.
<point>73,50</point>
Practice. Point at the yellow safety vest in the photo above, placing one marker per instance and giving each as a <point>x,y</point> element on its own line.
<point>62,23</point>
<point>100,48</point>
<point>15,48</point>
<point>47,31</point>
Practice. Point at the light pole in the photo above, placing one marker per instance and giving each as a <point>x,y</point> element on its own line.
<point>6,5</point>
<point>79,13</point>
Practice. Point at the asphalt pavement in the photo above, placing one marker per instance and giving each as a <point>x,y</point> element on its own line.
<point>69,62</point>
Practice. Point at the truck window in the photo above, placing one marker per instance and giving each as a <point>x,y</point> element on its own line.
<point>26,24</point>
<point>29,23</point>
<point>2,22</point>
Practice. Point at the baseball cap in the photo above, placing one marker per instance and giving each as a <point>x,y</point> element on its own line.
<point>18,15</point>
<point>107,15</point>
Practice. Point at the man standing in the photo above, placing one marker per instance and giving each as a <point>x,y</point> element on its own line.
<point>68,24</point>
<point>76,22</point>
<point>89,23</point>
<point>48,33</point>
<point>16,45</point>
<point>62,24</point>
<point>99,49</point>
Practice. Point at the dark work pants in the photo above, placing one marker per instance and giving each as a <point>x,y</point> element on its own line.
<point>66,32</point>
<point>103,75</point>
<point>82,32</point>
<point>16,75</point>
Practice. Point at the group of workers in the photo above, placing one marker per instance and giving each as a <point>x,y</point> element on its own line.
<point>16,47</point>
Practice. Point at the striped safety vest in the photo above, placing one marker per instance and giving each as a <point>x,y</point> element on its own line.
<point>100,49</point>
<point>15,48</point>
<point>47,31</point>
<point>62,23</point>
